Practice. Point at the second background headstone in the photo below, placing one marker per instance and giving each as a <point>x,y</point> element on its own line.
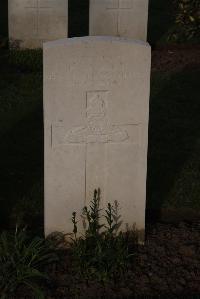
<point>124,18</point>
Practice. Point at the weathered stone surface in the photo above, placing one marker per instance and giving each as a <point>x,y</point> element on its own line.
<point>125,18</point>
<point>31,22</point>
<point>96,106</point>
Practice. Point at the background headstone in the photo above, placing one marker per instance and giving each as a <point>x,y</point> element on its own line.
<point>96,103</point>
<point>31,22</point>
<point>125,18</point>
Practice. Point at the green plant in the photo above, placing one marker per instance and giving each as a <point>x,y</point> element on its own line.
<point>21,262</point>
<point>102,254</point>
<point>187,21</point>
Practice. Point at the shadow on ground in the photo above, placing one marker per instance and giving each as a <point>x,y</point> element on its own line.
<point>21,174</point>
<point>174,143</point>
<point>21,147</point>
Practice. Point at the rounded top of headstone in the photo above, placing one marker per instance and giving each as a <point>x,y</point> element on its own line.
<point>94,39</point>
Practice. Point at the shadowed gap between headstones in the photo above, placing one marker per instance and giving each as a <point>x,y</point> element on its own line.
<point>78,18</point>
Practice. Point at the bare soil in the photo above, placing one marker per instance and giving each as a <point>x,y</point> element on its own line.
<point>175,58</point>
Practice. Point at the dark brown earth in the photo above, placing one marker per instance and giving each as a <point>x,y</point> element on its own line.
<point>175,58</point>
<point>168,265</point>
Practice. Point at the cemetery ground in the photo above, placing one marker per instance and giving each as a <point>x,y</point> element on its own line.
<point>169,263</point>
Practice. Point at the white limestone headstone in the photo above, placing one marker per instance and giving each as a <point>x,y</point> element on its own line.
<point>31,22</point>
<point>125,18</point>
<point>96,106</point>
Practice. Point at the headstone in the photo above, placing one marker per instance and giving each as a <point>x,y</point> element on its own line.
<point>96,103</point>
<point>125,18</point>
<point>31,22</point>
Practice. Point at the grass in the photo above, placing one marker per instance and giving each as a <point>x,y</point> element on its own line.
<point>21,261</point>
<point>174,141</point>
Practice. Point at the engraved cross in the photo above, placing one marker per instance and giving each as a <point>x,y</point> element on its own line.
<point>118,6</point>
<point>37,6</point>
